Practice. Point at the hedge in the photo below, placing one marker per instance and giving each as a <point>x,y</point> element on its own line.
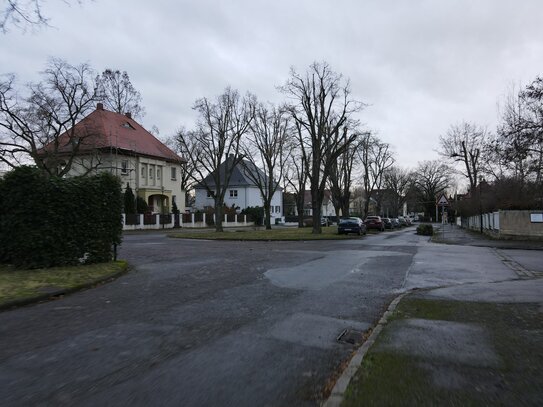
<point>46,222</point>
<point>425,230</point>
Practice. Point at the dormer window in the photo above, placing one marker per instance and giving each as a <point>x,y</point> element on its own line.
<point>127,125</point>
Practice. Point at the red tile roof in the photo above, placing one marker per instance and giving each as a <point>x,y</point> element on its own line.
<point>104,130</point>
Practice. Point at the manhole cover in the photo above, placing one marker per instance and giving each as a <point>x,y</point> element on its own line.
<point>350,336</point>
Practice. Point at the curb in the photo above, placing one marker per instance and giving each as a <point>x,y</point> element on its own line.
<point>336,396</point>
<point>43,297</point>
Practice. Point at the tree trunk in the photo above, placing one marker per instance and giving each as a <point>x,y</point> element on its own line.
<point>218,216</point>
<point>316,202</point>
<point>267,215</point>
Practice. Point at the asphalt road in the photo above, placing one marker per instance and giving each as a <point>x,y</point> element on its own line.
<point>213,323</point>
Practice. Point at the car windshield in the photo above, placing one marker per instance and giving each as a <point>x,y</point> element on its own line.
<point>350,220</point>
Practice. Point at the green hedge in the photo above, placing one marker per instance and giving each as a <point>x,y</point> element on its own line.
<point>425,230</point>
<point>46,222</point>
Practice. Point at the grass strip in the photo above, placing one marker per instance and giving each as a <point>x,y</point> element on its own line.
<point>20,286</point>
<point>328,233</point>
<point>391,378</point>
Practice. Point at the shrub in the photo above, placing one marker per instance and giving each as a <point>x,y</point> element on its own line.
<point>256,213</point>
<point>48,222</point>
<point>141,205</point>
<point>129,204</point>
<point>425,229</point>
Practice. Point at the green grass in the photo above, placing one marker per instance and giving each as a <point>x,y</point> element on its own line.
<point>290,233</point>
<point>394,379</point>
<point>18,284</point>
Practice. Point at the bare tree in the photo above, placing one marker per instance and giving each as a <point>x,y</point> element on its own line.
<point>116,92</point>
<point>296,178</point>
<point>431,178</point>
<point>40,124</point>
<point>397,182</point>
<point>265,153</point>
<point>520,136</point>
<point>341,176</point>
<point>321,106</point>
<point>186,145</point>
<point>465,143</point>
<point>376,158</point>
<point>217,140</point>
<point>24,14</point>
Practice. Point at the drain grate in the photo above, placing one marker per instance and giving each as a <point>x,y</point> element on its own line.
<point>350,336</point>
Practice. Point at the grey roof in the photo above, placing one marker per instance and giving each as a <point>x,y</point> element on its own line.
<point>239,176</point>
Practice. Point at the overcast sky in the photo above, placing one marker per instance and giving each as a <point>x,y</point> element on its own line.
<point>419,65</point>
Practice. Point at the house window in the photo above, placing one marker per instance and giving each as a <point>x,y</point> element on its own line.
<point>271,209</point>
<point>233,193</point>
<point>150,173</point>
<point>158,173</point>
<point>209,194</point>
<point>277,209</point>
<point>143,172</point>
<point>124,167</point>
<point>174,173</point>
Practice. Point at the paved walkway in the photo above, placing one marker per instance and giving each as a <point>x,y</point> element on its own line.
<point>453,234</point>
<point>467,342</point>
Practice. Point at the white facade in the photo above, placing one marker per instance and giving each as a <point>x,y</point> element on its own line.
<point>242,197</point>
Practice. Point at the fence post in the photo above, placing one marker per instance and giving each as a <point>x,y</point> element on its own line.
<point>124,220</point>
<point>236,219</point>
<point>226,219</point>
<point>192,218</point>
<point>141,225</point>
<point>245,219</point>
<point>157,222</point>
<point>204,218</point>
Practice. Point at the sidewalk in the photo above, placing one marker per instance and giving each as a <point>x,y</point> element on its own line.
<point>453,234</point>
<point>467,344</point>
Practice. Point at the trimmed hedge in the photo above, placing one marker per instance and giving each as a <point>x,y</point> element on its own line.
<point>46,222</point>
<point>425,230</point>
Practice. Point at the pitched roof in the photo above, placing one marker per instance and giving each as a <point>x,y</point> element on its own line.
<point>103,129</point>
<point>239,177</point>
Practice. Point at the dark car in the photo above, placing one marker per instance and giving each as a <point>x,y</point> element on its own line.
<point>351,225</point>
<point>388,223</point>
<point>374,222</point>
<point>395,222</point>
<point>402,220</point>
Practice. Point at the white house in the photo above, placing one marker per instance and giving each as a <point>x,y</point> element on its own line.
<point>116,143</point>
<point>242,192</point>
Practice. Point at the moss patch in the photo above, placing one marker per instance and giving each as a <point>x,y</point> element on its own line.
<point>18,284</point>
<point>515,331</point>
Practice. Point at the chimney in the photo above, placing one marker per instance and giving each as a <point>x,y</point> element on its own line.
<point>128,114</point>
<point>99,106</point>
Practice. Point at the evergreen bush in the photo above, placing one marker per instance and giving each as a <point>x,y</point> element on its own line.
<point>129,200</point>
<point>256,213</point>
<point>425,229</point>
<point>48,222</point>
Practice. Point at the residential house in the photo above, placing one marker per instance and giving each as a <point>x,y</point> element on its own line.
<point>327,208</point>
<point>116,143</point>
<point>242,191</point>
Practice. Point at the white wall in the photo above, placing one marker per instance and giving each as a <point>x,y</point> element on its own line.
<point>247,196</point>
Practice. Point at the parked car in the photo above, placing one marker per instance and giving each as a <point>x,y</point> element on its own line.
<point>374,222</point>
<point>388,223</point>
<point>351,225</point>
<point>395,222</point>
<point>402,220</point>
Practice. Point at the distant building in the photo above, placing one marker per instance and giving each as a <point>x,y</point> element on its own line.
<point>242,192</point>
<point>116,143</point>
